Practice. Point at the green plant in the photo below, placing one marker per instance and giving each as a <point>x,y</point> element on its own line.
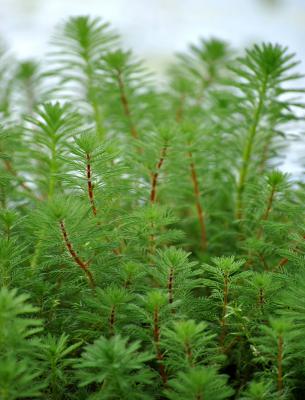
<point>118,368</point>
<point>150,226</point>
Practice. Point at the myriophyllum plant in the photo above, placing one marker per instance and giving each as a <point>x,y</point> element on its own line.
<point>152,247</point>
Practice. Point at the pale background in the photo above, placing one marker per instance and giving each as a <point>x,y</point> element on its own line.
<point>156,29</point>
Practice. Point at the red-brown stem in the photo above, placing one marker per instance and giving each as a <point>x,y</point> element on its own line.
<point>264,262</point>
<point>170,286</point>
<point>91,193</point>
<point>10,169</point>
<point>159,355</point>
<point>280,364</point>
<point>83,265</point>
<point>127,282</point>
<point>224,311</point>
<point>189,354</point>
<point>197,201</point>
<point>265,216</point>
<point>180,109</point>
<point>231,344</point>
<point>112,320</point>
<point>284,260</point>
<point>89,184</point>
<point>154,181</point>
<point>125,104</point>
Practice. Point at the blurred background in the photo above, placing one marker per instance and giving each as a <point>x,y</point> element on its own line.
<point>156,29</point>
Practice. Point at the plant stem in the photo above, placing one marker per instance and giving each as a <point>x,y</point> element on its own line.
<point>91,98</point>
<point>224,310</point>
<point>179,116</point>
<point>159,355</point>
<point>154,181</point>
<point>197,202</point>
<point>170,286</point>
<point>261,298</point>
<point>53,170</point>
<point>90,186</point>
<point>280,364</point>
<point>188,353</point>
<point>248,150</point>
<point>180,109</point>
<point>265,216</point>
<point>9,167</point>
<point>285,260</point>
<point>112,320</point>
<point>125,104</point>
<point>265,154</point>
<point>83,265</point>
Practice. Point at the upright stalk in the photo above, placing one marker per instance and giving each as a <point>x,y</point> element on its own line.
<point>170,286</point>
<point>154,181</point>
<point>179,116</point>
<point>53,170</point>
<point>92,100</point>
<point>89,185</point>
<point>180,109</point>
<point>9,167</point>
<point>224,310</point>
<point>243,175</point>
<point>198,203</point>
<point>125,105</point>
<point>266,214</point>
<point>112,320</point>
<point>280,385</point>
<point>159,354</point>
<point>76,258</point>
<point>285,260</point>
<point>188,353</point>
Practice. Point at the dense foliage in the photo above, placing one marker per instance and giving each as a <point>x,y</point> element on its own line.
<point>151,247</point>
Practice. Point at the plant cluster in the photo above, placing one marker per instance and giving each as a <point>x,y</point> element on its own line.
<point>150,246</point>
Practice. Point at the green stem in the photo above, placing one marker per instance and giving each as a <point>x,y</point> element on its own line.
<point>248,150</point>
<point>53,171</point>
<point>91,98</point>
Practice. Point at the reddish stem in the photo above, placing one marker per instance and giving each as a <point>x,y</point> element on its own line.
<point>83,265</point>
<point>90,186</point>
<point>197,201</point>
<point>189,354</point>
<point>285,260</point>
<point>10,169</point>
<point>265,216</point>
<point>154,181</point>
<point>159,355</point>
<point>125,104</point>
<point>91,193</point>
<point>170,286</point>
<point>112,320</point>
<point>180,109</point>
<point>261,298</point>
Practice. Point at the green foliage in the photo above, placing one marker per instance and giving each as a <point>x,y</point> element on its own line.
<point>151,226</point>
<point>199,383</point>
<point>19,371</point>
<point>276,348</point>
<point>116,367</point>
<point>52,355</point>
